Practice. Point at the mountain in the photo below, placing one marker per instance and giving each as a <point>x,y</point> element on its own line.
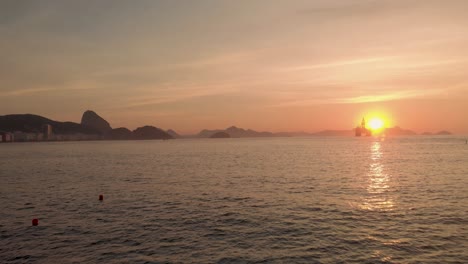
<point>334,133</point>
<point>440,133</point>
<point>120,133</point>
<point>98,127</point>
<point>293,134</point>
<point>240,132</point>
<point>29,123</point>
<point>235,132</point>
<point>173,133</point>
<point>92,124</point>
<point>443,133</point>
<point>398,131</point>
<point>284,134</point>
<point>205,133</point>
<point>150,132</point>
<point>220,135</point>
<point>92,120</point>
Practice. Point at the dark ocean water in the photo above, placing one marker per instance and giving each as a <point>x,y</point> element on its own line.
<point>280,200</point>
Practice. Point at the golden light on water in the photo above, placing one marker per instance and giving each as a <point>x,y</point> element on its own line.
<point>378,183</point>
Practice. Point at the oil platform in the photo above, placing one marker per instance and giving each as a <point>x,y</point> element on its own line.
<point>362,130</point>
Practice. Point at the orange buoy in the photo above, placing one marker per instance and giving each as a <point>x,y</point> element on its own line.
<point>101,197</point>
<point>35,222</point>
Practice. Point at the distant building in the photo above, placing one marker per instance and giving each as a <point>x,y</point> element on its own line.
<point>47,132</point>
<point>19,136</point>
<point>362,130</point>
<point>39,137</point>
<point>25,137</point>
<point>6,137</point>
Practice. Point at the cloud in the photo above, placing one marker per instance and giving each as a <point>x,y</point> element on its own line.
<point>387,96</point>
<point>224,59</point>
<point>354,8</point>
<point>45,90</point>
<point>340,63</point>
<point>24,92</point>
<point>379,95</point>
<point>181,93</point>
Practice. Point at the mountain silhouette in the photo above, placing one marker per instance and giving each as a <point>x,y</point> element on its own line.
<point>443,133</point>
<point>150,132</point>
<point>29,123</point>
<point>235,132</point>
<point>220,135</point>
<point>92,120</point>
<point>173,133</point>
<point>91,124</point>
<point>120,133</point>
<point>398,131</point>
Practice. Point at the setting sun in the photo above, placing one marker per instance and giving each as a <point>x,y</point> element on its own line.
<point>209,119</point>
<point>376,124</point>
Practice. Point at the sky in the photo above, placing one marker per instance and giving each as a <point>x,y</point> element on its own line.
<point>269,65</point>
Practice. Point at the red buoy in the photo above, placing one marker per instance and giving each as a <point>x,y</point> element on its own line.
<point>101,197</point>
<point>35,222</point>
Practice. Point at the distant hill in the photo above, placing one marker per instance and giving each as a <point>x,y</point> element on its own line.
<point>120,133</point>
<point>294,134</point>
<point>334,133</point>
<point>150,132</point>
<point>398,131</point>
<point>235,132</point>
<point>220,135</point>
<point>29,123</point>
<point>173,133</point>
<point>443,133</point>
<point>440,133</point>
<point>205,133</point>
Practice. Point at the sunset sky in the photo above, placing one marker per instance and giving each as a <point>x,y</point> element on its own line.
<point>271,65</point>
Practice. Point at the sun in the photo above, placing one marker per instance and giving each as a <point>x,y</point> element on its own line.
<point>376,123</point>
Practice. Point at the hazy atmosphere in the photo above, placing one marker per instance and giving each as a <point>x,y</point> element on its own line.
<point>233,131</point>
<point>266,65</point>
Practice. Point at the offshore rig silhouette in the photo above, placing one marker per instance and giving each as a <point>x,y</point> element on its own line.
<point>362,130</point>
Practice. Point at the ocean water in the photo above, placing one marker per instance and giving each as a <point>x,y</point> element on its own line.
<point>268,200</point>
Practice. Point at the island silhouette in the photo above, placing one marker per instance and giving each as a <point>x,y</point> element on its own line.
<point>29,127</point>
<point>220,135</point>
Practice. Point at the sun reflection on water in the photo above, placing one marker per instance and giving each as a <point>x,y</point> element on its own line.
<point>378,183</point>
